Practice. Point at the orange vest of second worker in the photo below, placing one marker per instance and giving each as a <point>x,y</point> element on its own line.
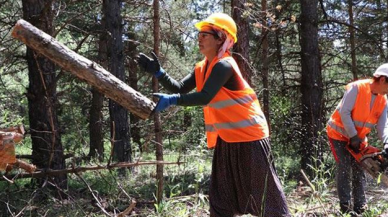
<point>234,115</point>
<point>364,118</point>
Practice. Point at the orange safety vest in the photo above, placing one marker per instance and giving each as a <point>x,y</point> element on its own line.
<point>234,115</point>
<point>364,118</point>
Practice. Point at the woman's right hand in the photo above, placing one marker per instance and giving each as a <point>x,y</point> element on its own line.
<point>150,65</point>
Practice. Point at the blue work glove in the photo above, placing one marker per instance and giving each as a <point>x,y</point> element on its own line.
<point>165,101</point>
<point>150,65</point>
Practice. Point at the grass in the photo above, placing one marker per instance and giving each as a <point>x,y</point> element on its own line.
<point>185,191</point>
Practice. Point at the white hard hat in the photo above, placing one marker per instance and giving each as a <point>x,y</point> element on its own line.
<point>382,70</point>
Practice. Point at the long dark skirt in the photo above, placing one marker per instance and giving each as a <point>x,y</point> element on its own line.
<point>244,181</point>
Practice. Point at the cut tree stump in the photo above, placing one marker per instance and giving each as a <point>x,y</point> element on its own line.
<point>84,69</point>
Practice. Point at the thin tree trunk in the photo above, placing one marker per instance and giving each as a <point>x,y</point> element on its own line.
<point>279,47</point>
<point>96,134</point>
<point>241,48</point>
<point>265,66</point>
<point>118,114</point>
<point>311,85</point>
<point>95,120</point>
<point>187,120</point>
<point>157,125</point>
<point>42,101</point>
<point>131,50</point>
<point>386,35</point>
<point>352,40</point>
<point>134,120</point>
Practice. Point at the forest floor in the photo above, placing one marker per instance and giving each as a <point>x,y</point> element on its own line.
<point>304,203</point>
<point>104,193</point>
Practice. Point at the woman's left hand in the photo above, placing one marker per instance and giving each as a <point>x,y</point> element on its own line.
<point>165,101</point>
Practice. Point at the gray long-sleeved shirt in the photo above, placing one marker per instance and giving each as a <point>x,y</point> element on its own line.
<point>345,110</point>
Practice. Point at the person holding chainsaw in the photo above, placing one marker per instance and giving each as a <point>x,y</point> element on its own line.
<point>243,178</point>
<point>363,107</point>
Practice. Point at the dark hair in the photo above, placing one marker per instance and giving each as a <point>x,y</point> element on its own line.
<point>376,79</point>
<point>220,34</point>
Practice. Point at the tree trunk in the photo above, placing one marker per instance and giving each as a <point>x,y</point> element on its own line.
<point>96,133</point>
<point>96,119</point>
<point>187,120</point>
<point>157,125</point>
<point>133,79</point>
<point>311,85</point>
<point>382,28</point>
<point>386,35</point>
<point>241,48</point>
<point>265,66</point>
<point>115,58</point>
<point>352,40</point>
<point>279,46</point>
<point>42,101</point>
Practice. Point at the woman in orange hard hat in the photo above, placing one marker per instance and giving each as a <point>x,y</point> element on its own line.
<point>243,178</point>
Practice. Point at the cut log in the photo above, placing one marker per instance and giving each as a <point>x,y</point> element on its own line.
<point>84,69</point>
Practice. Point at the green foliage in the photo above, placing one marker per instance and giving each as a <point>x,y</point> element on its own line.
<point>77,24</point>
<point>376,210</point>
<point>287,168</point>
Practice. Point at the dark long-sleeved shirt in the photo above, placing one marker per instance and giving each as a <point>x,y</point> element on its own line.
<point>222,75</point>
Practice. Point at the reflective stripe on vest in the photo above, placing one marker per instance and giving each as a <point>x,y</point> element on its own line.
<point>361,124</point>
<point>235,125</point>
<point>210,128</point>
<point>231,102</point>
<point>337,128</point>
<point>356,123</point>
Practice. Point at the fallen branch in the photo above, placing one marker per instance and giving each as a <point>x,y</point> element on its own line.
<point>97,200</point>
<point>128,210</point>
<point>315,193</point>
<point>40,174</point>
<point>30,157</point>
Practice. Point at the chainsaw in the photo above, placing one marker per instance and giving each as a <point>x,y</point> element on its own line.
<point>372,160</point>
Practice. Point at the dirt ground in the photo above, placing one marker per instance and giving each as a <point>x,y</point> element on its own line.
<point>303,202</point>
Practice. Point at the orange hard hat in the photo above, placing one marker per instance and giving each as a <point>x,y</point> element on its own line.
<point>222,21</point>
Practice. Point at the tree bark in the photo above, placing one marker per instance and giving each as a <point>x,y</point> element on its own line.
<point>84,69</point>
<point>241,48</point>
<point>352,40</point>
<point>311,85</point>
<point>157,125</point>
<point>42,101</point>
<point>386,35</point>
<point>115,57</point>
<point>96,134</point>
<point>265,66</point>
<point>133,79</point>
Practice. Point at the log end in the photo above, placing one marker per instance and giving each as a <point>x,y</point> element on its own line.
<point>17,28</point>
